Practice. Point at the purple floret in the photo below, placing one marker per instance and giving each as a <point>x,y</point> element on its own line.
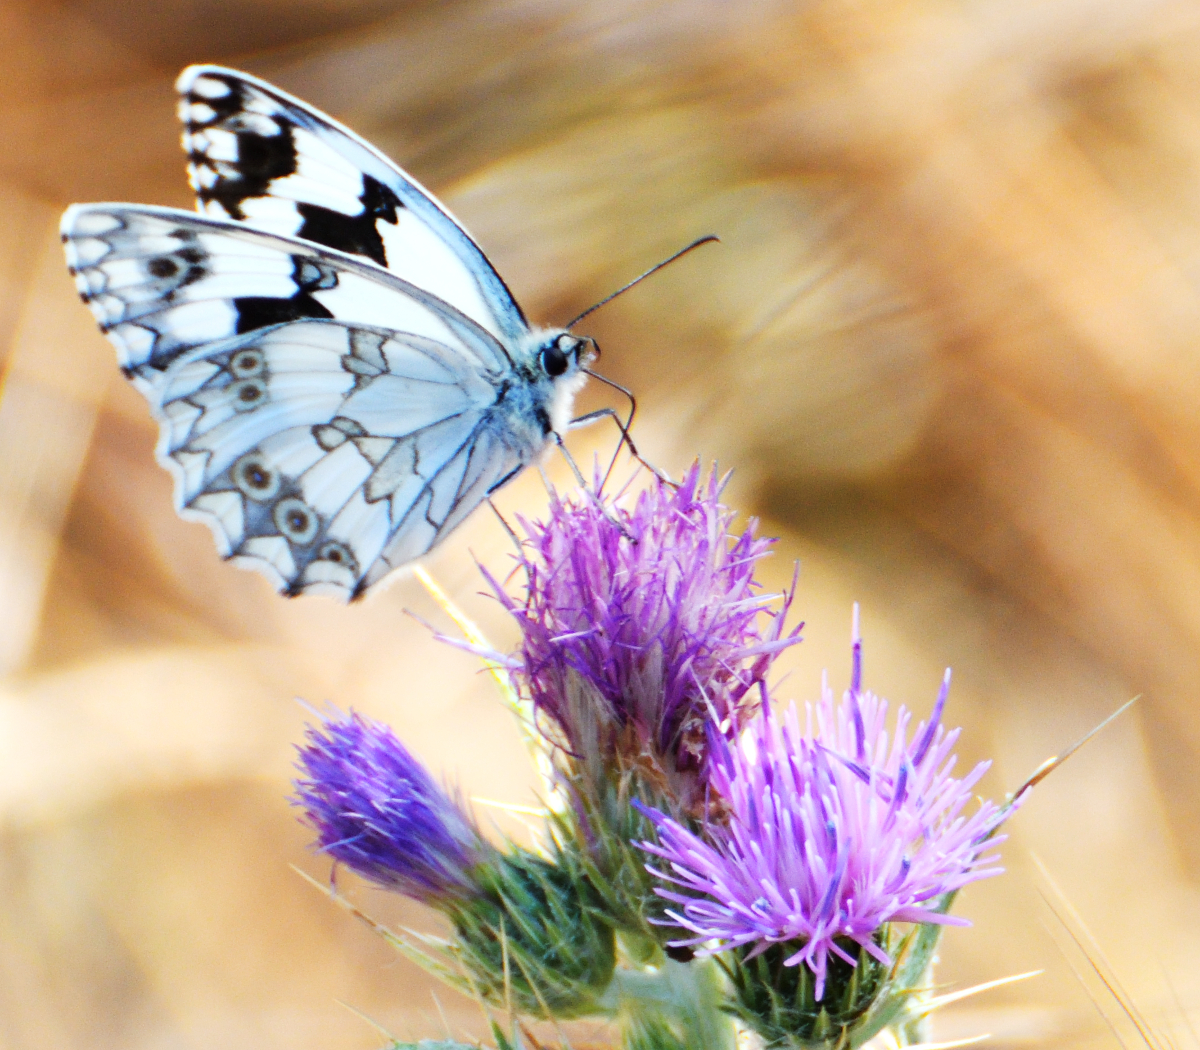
<point>641,625</point>
<point>826,833</point>
<point>377,810</point>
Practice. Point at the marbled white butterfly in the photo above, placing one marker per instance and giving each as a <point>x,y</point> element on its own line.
<point>339,374</point>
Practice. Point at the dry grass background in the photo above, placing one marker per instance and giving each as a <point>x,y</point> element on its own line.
<point>951,344</point>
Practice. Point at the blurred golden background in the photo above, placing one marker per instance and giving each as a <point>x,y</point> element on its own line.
<point>950,344</point>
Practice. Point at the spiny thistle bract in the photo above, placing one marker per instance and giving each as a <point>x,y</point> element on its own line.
<point>536,935</point>
<point>780,1002</point>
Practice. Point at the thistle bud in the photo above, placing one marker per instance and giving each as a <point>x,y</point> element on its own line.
<point>526,929</point>
<point>377,810</point>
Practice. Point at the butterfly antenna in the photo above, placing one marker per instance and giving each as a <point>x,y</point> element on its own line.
<point>653,269</point>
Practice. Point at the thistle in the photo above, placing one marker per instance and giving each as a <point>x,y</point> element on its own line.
<point>796,867</point>
<point>641,627</point>
<point>827,836</point>
<point>641,630</point>
<point>526,929</point>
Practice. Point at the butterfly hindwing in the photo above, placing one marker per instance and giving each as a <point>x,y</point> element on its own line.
<point>162,282</point>
<point>258,155</point>
<point>325,454</point>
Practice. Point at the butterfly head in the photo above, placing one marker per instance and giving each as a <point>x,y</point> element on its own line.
<point>566,354</point>
<point>561,359</point>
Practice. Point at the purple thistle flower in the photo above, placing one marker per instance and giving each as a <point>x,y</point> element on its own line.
<point>377,810</point>
<point>640,626</point>
<point>827,834</point>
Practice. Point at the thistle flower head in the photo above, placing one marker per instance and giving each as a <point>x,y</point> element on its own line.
<point>377,810</point>
<point>640,626</point>
<point>829,832</point>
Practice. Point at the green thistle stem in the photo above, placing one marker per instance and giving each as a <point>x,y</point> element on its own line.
<point>674,1007</point>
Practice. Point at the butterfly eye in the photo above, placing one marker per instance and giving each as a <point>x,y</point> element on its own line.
<point>554,360</point>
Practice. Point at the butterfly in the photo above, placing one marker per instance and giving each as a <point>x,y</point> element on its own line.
<point>339,374</point>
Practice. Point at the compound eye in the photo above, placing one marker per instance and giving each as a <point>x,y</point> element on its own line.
<point>554,360</point>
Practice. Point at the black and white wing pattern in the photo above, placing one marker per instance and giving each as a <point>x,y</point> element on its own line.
<point>258,155</point>
<point>339,374</point>
<point>162,281</point>
<point>328,421</point>
<point>327,454</point>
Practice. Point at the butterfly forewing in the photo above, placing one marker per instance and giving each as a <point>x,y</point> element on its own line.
<point>258,155</point>
<point>161,282</point>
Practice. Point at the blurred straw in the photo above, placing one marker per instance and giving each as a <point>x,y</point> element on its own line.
<point>54,380</point>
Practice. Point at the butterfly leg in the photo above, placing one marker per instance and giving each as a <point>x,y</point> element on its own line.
<point>492,503</point>
<point>503,521</point>
<point>623,427</point>
<point>626,440</point>
<point>587,488</point>
<point>579,478</point>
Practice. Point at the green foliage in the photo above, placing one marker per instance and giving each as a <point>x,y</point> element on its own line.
<point>676,1005</point>
<point>653,1032</point>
